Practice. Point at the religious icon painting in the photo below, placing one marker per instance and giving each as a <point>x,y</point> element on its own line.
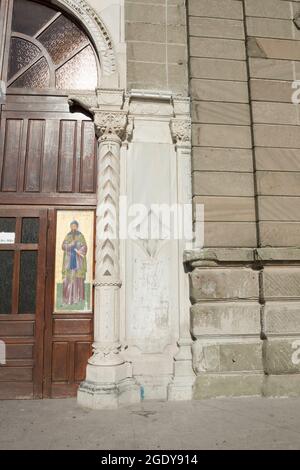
<point>74,261</point>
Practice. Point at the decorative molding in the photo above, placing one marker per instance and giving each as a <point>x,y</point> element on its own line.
<point>105,352</point>
<point>107,251</point>
<point>98,31</point>
<point>181,130</point>
<point>107,284</point>
<point>111,123</point>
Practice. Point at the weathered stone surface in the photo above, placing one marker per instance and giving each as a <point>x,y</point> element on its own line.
<point>281,282</point>
<point>227,357</point>
<point>278,254</point>
<point>230,234</point>
<point>208,135</point>
<point>272,28</point>
<point>224,308</point>
<point>230,283</point>
<point>216,8</point>
<point>223,184</point>
<point>281,356</point>
<point>216,28</point>
<point>277,159</point>
<point>217,48</point>
<point>221,113</point>
<point>220,69</point>
<point>223,159</point>
<point>277,48</point>
<point>268,8</point>
<point>278,183</point>
<point>254,48</point>
<point>227,385</point>
<point>279,208</point>
<point>230,318</point>
<point>275,113</point>
<point>219,90</point>
<point>241,255</point>
<point>271,90</point>
<point>276,136</point>
<point>281,385</point>
<point>155,34</point>
<point>271,69</point>
<point>218,209</point>
<point>279,234</point>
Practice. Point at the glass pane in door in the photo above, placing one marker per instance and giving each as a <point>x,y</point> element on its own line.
<point>28,282</point>
<point>6,281</point>
<point>30,230</point>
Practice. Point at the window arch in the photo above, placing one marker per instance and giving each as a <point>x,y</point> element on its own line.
<point>48,50</point>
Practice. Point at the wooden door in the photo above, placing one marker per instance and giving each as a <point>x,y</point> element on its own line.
<point>22,297</point>
<point>48,160</point>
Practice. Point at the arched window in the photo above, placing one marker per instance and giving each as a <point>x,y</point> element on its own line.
<point>48,50</point>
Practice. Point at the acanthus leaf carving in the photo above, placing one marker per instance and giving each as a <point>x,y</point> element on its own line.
<point>181,130</point>
<point>111,123</point>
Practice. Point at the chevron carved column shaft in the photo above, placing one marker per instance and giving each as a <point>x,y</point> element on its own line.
<point>111,131</point>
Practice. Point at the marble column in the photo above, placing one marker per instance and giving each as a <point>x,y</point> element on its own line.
<point>109,380</point>
<point>181,387</point>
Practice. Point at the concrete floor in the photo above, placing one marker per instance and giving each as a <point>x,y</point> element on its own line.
<point>239,423</point>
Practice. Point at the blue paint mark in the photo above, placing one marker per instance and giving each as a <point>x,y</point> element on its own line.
<point>142,391</point>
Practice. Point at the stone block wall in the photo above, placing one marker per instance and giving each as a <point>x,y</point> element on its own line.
<point>223,178</point>
<point>245,319</point>
<point>273,45</point>
<point>245,283</point>
<point>156,39</point>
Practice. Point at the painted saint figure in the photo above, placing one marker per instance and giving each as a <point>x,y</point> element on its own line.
<point>74,266</point>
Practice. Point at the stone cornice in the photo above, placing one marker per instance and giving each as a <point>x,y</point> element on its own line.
<point>224,256</point>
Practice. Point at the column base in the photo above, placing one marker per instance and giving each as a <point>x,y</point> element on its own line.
<point>181,389</point>
<point>108,387</point>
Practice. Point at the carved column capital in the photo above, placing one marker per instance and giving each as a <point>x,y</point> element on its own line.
<point>112,125</point>
<point>181,130</point>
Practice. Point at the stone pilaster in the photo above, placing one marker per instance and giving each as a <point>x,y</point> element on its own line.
<point>184,376</point>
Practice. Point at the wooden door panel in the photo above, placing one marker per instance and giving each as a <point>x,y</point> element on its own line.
<point>50,157</point>
<point>67,155</point>
<point>72,326</point>
<point>46,152</point>
<point>19,351</point>
<point>34,152</point>
<point>60,362</point>
<point>10,155</point>
<point>83,351</point>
